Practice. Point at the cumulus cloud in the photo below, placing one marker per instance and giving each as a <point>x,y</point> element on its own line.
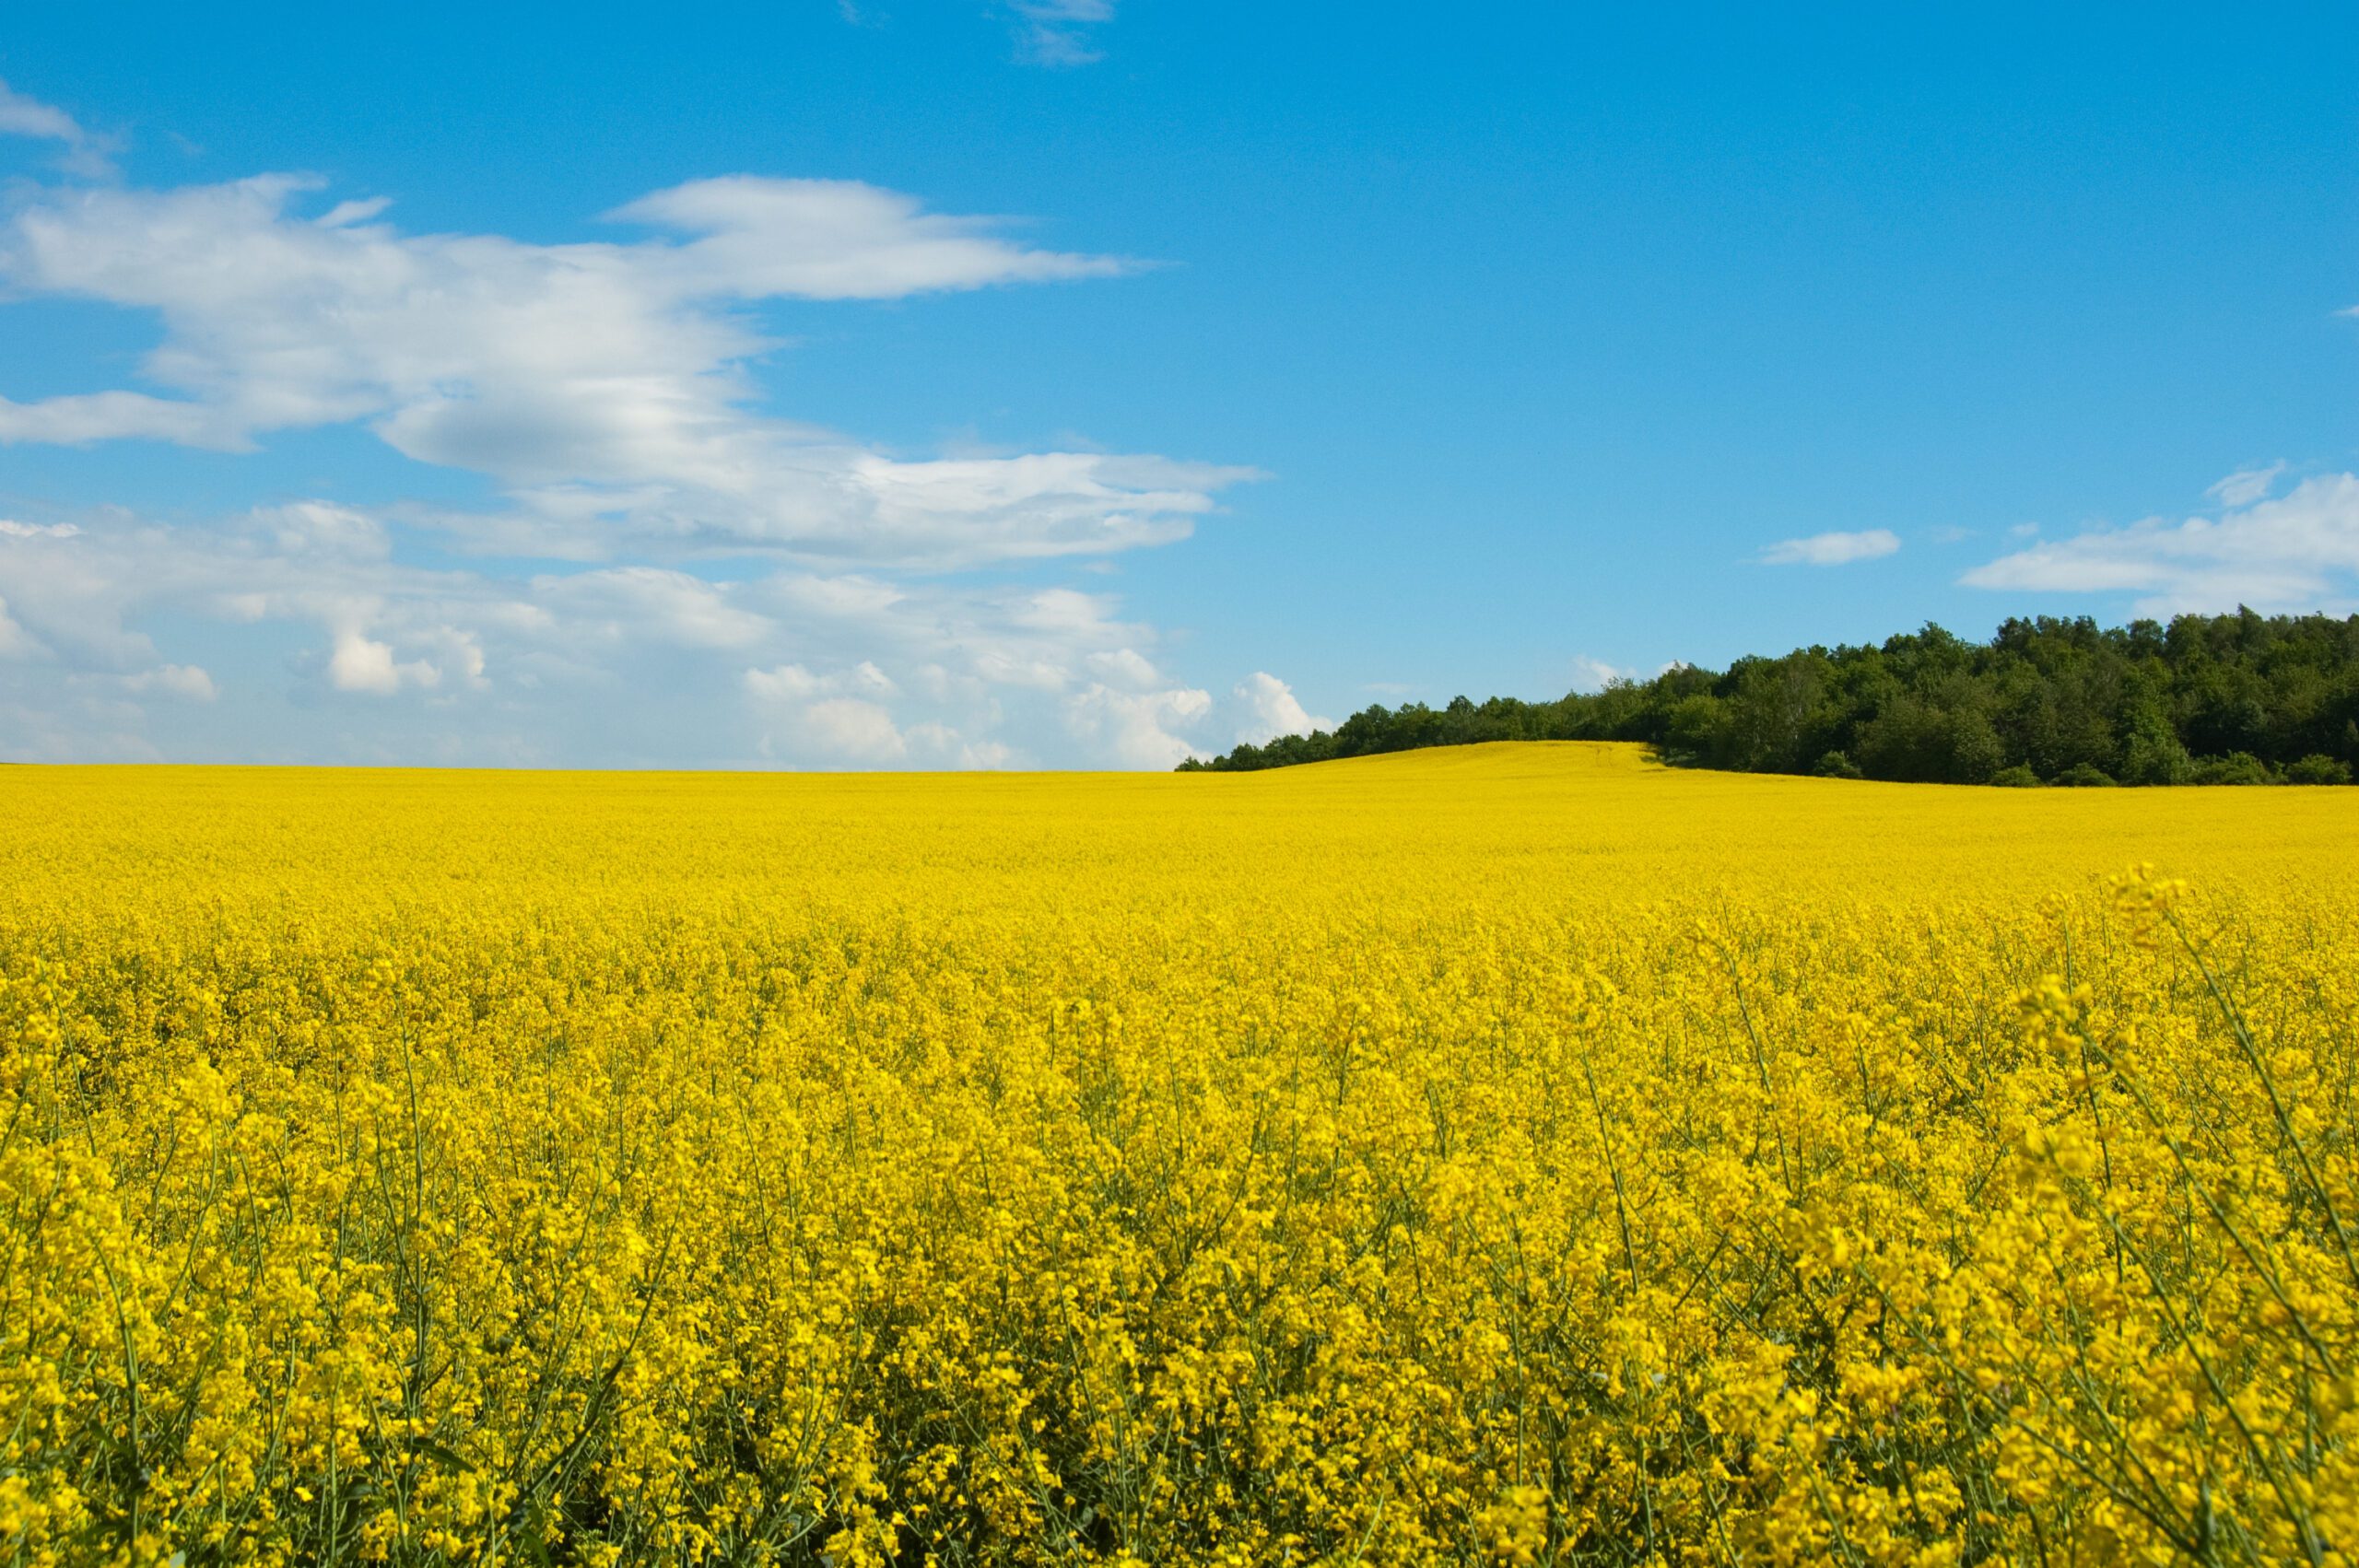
<point>187,681</point>
<point>603,386</point>
<point>363,664</point>
<point>852,728</point>
<point>2299,551</point>
<point>1831,549</point>
<point>1125,667</point>
<point>1267,708</point>
<point>1139,729</point>
<point>787,683</point>
<point>1056,33</point>
<point>841,716</point>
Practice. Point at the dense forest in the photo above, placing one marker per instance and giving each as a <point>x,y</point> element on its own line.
<point>2207,699</point>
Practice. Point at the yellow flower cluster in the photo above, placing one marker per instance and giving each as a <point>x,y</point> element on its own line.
<point>1514,1155</point>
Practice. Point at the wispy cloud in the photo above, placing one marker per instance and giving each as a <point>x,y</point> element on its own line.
<point>2299,551</point>
<point>2247,486</point>
<point>1831,549</point>
<point>1056,33</point>
<point>85,154</point>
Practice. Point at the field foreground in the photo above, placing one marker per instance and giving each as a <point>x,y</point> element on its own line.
<point>1516,1154</point>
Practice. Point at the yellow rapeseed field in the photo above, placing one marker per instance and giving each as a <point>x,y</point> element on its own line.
<point>1518,1154</point>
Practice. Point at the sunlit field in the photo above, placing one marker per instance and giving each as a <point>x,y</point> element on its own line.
<point>1512,1153</point>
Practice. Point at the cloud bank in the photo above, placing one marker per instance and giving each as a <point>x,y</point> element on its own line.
<point>671,573</point>
<point>628,665</point>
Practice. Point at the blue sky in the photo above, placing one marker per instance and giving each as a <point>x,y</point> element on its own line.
<point>1082,382</point>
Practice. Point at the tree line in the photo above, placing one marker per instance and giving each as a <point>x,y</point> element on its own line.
<point>2208,699</point>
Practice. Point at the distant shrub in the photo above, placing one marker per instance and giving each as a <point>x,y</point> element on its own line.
<point>2237,767</point>
<point>2318,769</point>
<point>1837,764</point>
<point>2081,774</point>
<point>2019,777</point>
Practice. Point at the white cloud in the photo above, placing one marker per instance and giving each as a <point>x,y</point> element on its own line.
<point>309,606</point>
<point>848,727</point>
<point>603,386</point>
<point>793,683</point>
<point>2299,551</point>
<point>187,681</point>
<point>820,718</point>
<point>1831,549</point>
<point>987,755</point>
<point>1267,708</point>
<point>357,210</point>
<point>363,664</point>
<point>1124,667</point>
<point>1595,675</point>
<point>20,116</point>
<point>833,240</point>
<point>650,604</point>
<point>2247,486</point>
<point>1054,32</point>
<point>1135,728</point>
<point>608,391</point>
<point>16,642</point>
<point>784,684</point>
<point>82,419</point>
<point>321,528</point>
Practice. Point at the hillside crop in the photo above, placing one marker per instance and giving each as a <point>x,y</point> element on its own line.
<point>1506,1154</point>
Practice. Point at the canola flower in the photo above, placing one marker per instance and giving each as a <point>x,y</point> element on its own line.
<point>1517,1154</point>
